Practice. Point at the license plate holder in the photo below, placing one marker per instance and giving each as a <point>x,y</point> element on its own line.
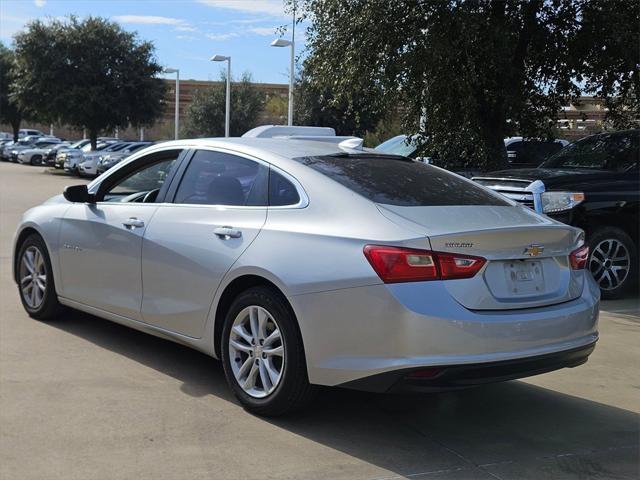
<point>524,277</point>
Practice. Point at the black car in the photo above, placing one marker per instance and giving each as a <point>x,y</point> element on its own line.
<point>593,184</point>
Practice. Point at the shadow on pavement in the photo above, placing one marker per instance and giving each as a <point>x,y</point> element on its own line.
<point>490,427</point>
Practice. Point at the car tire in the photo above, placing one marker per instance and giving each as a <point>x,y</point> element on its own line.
<point>613,261</point>
<point>36,160</point>
<point>290,391</point>
<point>37,292</point>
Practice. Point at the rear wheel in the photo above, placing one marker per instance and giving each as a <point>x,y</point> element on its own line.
<point>35,279</point>
<point>36,160</point>
<point>612,261</point>
<point>262,354</point>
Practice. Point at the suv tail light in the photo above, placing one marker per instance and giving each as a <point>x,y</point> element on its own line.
<point>397,264</point>
<point>578,258</point>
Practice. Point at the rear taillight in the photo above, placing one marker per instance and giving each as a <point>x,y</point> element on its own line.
<point>578,258</point>
<point>397,264</point>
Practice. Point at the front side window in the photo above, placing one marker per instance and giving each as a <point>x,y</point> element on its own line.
<point>216,178</point>
<point>392,180</point>
<point>143,184</point>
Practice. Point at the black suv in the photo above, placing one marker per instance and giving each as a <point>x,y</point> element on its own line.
<point>593,184</point>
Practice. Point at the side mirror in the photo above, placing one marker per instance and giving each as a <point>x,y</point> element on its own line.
<point>426,160</point>
<point>78,194</point>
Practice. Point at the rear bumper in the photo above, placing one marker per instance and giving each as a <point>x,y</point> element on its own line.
<point>357,333</point>
<point>451,377</point>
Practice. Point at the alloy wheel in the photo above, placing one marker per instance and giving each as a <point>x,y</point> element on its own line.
<point>610,263</point>
<point>33,277</point>
<point>256,351</point>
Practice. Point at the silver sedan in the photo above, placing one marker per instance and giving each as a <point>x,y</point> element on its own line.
<point>300,263</point>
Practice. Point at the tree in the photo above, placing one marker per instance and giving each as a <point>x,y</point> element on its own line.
<point>205,115</point>
<point>475,71</point>
<point>607,56</point>
<point>10,112</point>
<point>87,73</point>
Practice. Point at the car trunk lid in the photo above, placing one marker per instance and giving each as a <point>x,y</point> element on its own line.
<point>527,254</point>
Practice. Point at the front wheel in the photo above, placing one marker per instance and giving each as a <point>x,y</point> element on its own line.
<point>263,355</point>
<point>612,261</point>
<point>36,160</point>
<point>35,279</point>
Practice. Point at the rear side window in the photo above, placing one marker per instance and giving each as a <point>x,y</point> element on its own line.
<point>392,180</point>
<point>281,191</point>
<point>216,178</point>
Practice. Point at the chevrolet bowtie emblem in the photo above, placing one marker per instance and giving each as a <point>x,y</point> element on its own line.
<point>533,250</point>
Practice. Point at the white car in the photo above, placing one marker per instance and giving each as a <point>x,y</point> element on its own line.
<point>89,167</point>
<point>36,154</point>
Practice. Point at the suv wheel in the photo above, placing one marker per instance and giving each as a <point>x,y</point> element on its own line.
<point>262,354</point>
<point>35,279</point>
<point>612,261</point>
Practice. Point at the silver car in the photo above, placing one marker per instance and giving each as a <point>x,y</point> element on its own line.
<point>301,263</point>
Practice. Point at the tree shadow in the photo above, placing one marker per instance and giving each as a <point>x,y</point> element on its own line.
<point>461,431</point>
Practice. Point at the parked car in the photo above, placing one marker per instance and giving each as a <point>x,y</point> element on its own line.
<point>71,158</point>
<point>304,263</point>
<point>50,153</point>
<point>593,184</point>
<point>24,132</point>
<point>521,152</point>
<point>5,149</point>
<point>35,155</point>
<point>29,144</point>
<point>110,159</point>
<point>89,167</point>
<point>530,152</point>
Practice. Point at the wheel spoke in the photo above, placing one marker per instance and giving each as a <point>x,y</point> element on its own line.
<point>250,381</point>
<point>245,367</point>
<point>275,335</point>
<point>27,260</point>
<point>25,280</point>
<point>239,346</point>
<point>264,377</point>
<point>277,351</point>
<point>242,333</point>
<point>273,373</point>
<point>253,322</point>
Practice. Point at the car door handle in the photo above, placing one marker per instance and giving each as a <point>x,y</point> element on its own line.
<point>132,223</point>
<point>227,232</point>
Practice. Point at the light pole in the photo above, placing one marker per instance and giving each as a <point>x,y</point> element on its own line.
<point>177,114</point>
<point>281,42</point>
<point>227,111</point>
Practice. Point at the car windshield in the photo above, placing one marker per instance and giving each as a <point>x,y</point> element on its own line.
<point>399,145</point>
<point>608,151</point>
<point>395,180</point>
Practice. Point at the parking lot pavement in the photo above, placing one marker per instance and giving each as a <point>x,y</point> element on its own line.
<point>83,398</point>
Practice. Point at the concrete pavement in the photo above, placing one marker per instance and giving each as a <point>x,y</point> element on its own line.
<point>83,398</point>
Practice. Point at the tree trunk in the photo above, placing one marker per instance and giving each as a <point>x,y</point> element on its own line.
<point>93,136</point>
<point>15,125</point>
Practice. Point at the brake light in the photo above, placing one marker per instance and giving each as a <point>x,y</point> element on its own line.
<point>397,264</point>
<point>578,258</point>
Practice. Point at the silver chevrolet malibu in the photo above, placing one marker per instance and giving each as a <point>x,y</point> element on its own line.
<point>301,263</point>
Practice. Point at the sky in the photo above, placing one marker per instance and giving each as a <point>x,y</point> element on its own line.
<point>186,33</point>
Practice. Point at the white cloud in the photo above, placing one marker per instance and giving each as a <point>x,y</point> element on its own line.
<point>265,31</point>
<point>178,23</point>
<point>269,7</point>
<point>40,3</point>
<point>221,36</point>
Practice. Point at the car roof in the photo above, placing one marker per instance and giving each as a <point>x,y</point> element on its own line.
<point>284,148</point>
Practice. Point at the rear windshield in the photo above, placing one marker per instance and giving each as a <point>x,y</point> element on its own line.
<point>395,180</point>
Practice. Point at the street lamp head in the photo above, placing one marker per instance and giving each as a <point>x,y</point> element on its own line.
<point>280,42</point>
<point>170,70</point>
<point>219,58</point>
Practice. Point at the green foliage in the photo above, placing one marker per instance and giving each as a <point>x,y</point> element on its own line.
<point>10,112</point>
<point>476,71</point>
<point>205,115</point>
<point>87,73</point>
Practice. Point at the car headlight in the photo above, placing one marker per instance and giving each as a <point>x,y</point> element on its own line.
<point>553,202</point>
